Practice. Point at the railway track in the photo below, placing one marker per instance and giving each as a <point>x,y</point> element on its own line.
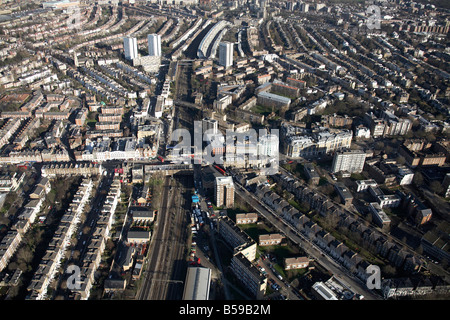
<point>166,264</point>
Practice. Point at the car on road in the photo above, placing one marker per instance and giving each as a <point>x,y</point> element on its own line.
<point>275,286</point>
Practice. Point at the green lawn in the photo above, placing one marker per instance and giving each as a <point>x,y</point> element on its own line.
<point>262,110</point>
<point>255,230</point>
<point>281,252</point>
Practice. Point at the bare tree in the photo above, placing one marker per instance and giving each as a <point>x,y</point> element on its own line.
<point>400,160</point>
<point>24,255</point>
<point>418,179</point>
<point>436,187</point>
<point>76,255</point>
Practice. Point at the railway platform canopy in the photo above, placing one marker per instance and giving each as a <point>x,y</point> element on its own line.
<point>197,284</point>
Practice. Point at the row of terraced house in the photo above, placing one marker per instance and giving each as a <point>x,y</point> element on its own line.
<point>97,242</point>
<point>22,222</point>
<point>55,253</point>
<point>376,241</point>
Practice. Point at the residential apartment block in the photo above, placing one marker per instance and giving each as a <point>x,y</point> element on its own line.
<point>344,193</point>
<point>130,48</point>
<point>300,142</point>
<point>249,275</point>
<point>267,99</point>
<point>387,124</point>
<point>351,161</point>
<point>311,173</point>
<point>154,45</point>
<point>362,185</point>
<point>224,192</point>
<point>379,216</point>
<point>226,54</point>
<point>236,238</point>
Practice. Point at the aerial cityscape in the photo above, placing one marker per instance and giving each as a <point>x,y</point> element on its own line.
<point>252,150</point>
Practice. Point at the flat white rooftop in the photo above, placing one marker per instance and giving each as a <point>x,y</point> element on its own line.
<point>197,284</point>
